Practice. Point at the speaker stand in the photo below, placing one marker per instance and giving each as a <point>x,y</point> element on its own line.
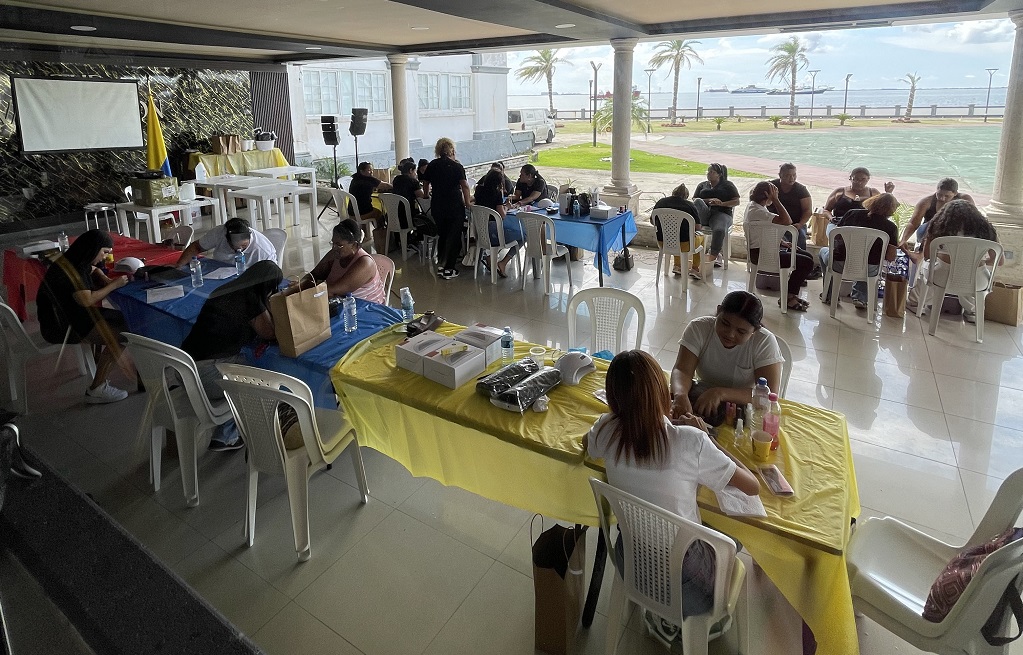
<point>333,185</point>
<point>356,152</point>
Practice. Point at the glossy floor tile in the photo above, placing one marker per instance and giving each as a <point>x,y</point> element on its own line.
<point>935,423</point>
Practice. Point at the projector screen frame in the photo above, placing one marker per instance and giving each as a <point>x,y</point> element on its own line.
<point>17,114</point>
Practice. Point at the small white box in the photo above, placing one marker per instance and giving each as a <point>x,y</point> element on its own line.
<point>485,337</point>
<point>600,213</point>
<point>410,352</point>
<point>26,250</point>
<point>455,369</point>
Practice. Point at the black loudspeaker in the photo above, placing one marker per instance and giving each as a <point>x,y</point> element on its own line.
<point>328,124</point>
<point>358,126</point>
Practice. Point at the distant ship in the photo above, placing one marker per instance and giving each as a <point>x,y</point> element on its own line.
<point>750,88</point>
<point>800,90</point>
<point>720,89</point>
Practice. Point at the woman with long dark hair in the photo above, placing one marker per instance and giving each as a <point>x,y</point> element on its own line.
<point>444,182</point>
<point>490,194</point>
<point>69,299</point>
<point>757,213</point>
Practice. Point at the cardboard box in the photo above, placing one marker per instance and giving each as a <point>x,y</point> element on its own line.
<point>410,352</point>
<point>455,369</point>
<point>155,193</point>
<point>485,337</point>
<point>1004,304</point>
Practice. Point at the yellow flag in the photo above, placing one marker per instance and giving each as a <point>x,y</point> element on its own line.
<point>156,149</point>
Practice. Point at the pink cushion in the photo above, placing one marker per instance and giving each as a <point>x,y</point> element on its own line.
<point>952,581</point>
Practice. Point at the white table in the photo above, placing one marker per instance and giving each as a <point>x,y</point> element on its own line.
<point>290,173</point>
<point>221,184</point>
<point>262,196</point>
<point>155,213</point>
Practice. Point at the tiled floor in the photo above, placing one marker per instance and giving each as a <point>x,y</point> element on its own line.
<point>935,422</point>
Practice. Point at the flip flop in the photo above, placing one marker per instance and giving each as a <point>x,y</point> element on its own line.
<point>799,306</point>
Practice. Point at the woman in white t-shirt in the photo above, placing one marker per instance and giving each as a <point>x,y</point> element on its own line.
<point>761,196</point>
<point>726,353</point>
<point>663,461</point>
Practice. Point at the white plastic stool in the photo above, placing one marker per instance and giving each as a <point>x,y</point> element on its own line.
<point>96,209</point>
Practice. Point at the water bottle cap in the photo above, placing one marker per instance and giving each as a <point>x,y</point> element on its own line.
<point>772,396</point>
<point>761,382</point>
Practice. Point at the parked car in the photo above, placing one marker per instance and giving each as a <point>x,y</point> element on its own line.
<point>536,121</point>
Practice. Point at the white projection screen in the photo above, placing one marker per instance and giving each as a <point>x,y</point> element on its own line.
<point>66,114</point>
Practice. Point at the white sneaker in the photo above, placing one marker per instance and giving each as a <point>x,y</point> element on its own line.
<point>969,317</point>
<point>105,393</point>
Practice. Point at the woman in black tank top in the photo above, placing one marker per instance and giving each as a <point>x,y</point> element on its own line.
<point>926,208</point>
<point>849,197</point>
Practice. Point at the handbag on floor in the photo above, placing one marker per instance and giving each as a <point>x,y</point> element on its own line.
<point>559,555</point>
<point>895,293</point>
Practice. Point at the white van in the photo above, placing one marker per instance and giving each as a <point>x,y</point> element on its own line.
<point>536,121</point>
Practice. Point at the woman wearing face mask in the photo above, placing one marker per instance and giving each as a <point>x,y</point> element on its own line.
<point>715,200</point>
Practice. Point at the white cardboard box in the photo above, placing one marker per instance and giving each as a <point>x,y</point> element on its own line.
<point>601,213</point>
<point>410,352</point>
<point>456,369</point>
<point>485,337</point>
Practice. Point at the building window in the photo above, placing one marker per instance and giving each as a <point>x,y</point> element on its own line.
<point>444,91</point>
<point>321,92</point>
<point>337,92</point>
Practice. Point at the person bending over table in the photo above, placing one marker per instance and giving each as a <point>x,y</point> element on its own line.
<point>875,215</point>
<point>509,186</point>
<point>408,186</point>
<point>763,194</point>
<point>347,268</point>
<point>716,200</point>
<point>362,187</point>
<point>663,461</point>
<point>234,316</point>
<point>490,193</point>
<point>225,240</point>
<point>925,210</point>
<point>796,199</point>
<point>444,181</point>
<point>531,189</point>
<point>849,197</point>
<point>726,352</point>
<point>69,297</point>
<point>679,201</point>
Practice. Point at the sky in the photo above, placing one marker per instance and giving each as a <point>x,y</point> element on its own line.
<point>944,54</point>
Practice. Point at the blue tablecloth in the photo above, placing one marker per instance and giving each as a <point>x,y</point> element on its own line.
<point>595,235</point>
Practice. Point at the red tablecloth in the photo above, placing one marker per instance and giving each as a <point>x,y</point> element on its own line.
<point>22,277</point>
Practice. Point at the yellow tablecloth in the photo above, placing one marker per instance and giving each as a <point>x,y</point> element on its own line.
<point>536,462</point>
<point>239,163</point>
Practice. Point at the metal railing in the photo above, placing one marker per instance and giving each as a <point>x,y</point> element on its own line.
<point>803,111</point>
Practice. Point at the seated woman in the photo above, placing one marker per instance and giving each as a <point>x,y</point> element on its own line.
<point>875,214</point>
<point>69,297</point>
<point>849,197</point>
<point>762,195</point>
<point>716,200</point>
<point>347,268</point>
<point>726,353</point>
<point>407,185</point>
<point>235,315</point>
<point>926,209</point>
<point>679,200</point>
<point>663,460</point>
<point>490,193</point>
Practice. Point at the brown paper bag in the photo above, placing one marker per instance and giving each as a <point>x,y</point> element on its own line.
<point>301,318</point>
<point>1004,304</point>
<point>559,556</point>
<point>226,144</point>
<point>895,290</point>
<point>818,230</point>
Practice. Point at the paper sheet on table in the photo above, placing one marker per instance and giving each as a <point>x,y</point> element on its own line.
<point>159,294</point>
<point>735,503</point>
<point>220,273</point>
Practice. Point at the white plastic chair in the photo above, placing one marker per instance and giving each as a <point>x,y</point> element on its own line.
<point>428,248</point>
<point>254,395</point>
<point>608,309</point>
<point>859,241</point>
<point>348,207</point>
<point>392,202</point>
<point>481,217</point>
<point>344,181</point>
<point>185,410</point>
<point>279,238</point>
<point>769,261</point>
<point>385,267</point>
<point>892,567</point>
<point>542,245</point>
<point>181,236</point>
<point>19,348</point>
<point>654,544</point>
<point>965,256</point>
<point>786,366</point>
<point>671,221</point>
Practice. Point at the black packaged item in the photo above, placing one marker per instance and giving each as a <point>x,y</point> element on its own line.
<point>506,377</point>
<point>521,396</point>
<point>426,322</point>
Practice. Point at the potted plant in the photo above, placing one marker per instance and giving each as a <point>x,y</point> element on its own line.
<point>265,140</point>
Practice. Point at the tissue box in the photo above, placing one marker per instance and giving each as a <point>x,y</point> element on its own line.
<point>155,193</point>
<point>601,213</point>
<point>410,352</point>
<point>456,369</point>
<point>485,337</point>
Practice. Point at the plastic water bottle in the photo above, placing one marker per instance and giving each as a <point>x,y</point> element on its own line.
<point>239,261</point>
<point>200,172</point>
<point>407,305</point>
<point>575,208</point>
<point>507,346</point>
<point>350,314</point>
<point>196,269</point>
<point>772,420</point>
<point>62,241</point>
<point>761,403</point>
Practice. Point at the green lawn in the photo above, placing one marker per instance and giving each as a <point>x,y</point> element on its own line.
<point>585,156</point>
<point>761,124</point>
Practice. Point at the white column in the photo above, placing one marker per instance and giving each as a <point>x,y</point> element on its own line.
<point>621,190</point>
<point>399,104</point>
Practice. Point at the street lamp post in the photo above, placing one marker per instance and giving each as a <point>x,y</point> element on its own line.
<point>596,67</point>
<point>845,99</point>
<point>699,80</point>
<point>649,107</point>
<point>987,103</point>
<point>813,87</point>
<point>589,99</point>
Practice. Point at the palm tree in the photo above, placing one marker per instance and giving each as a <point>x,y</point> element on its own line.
<point>679,53</point>
<point>605,115</point>
<point>912,80</point>
<point>791,58</point>
<point>539,66</point>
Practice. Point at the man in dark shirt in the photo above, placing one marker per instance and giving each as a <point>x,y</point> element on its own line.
<point>796,199</point>
<point>875,216</point>
<point>362,186</point>
<point>531,187</point>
